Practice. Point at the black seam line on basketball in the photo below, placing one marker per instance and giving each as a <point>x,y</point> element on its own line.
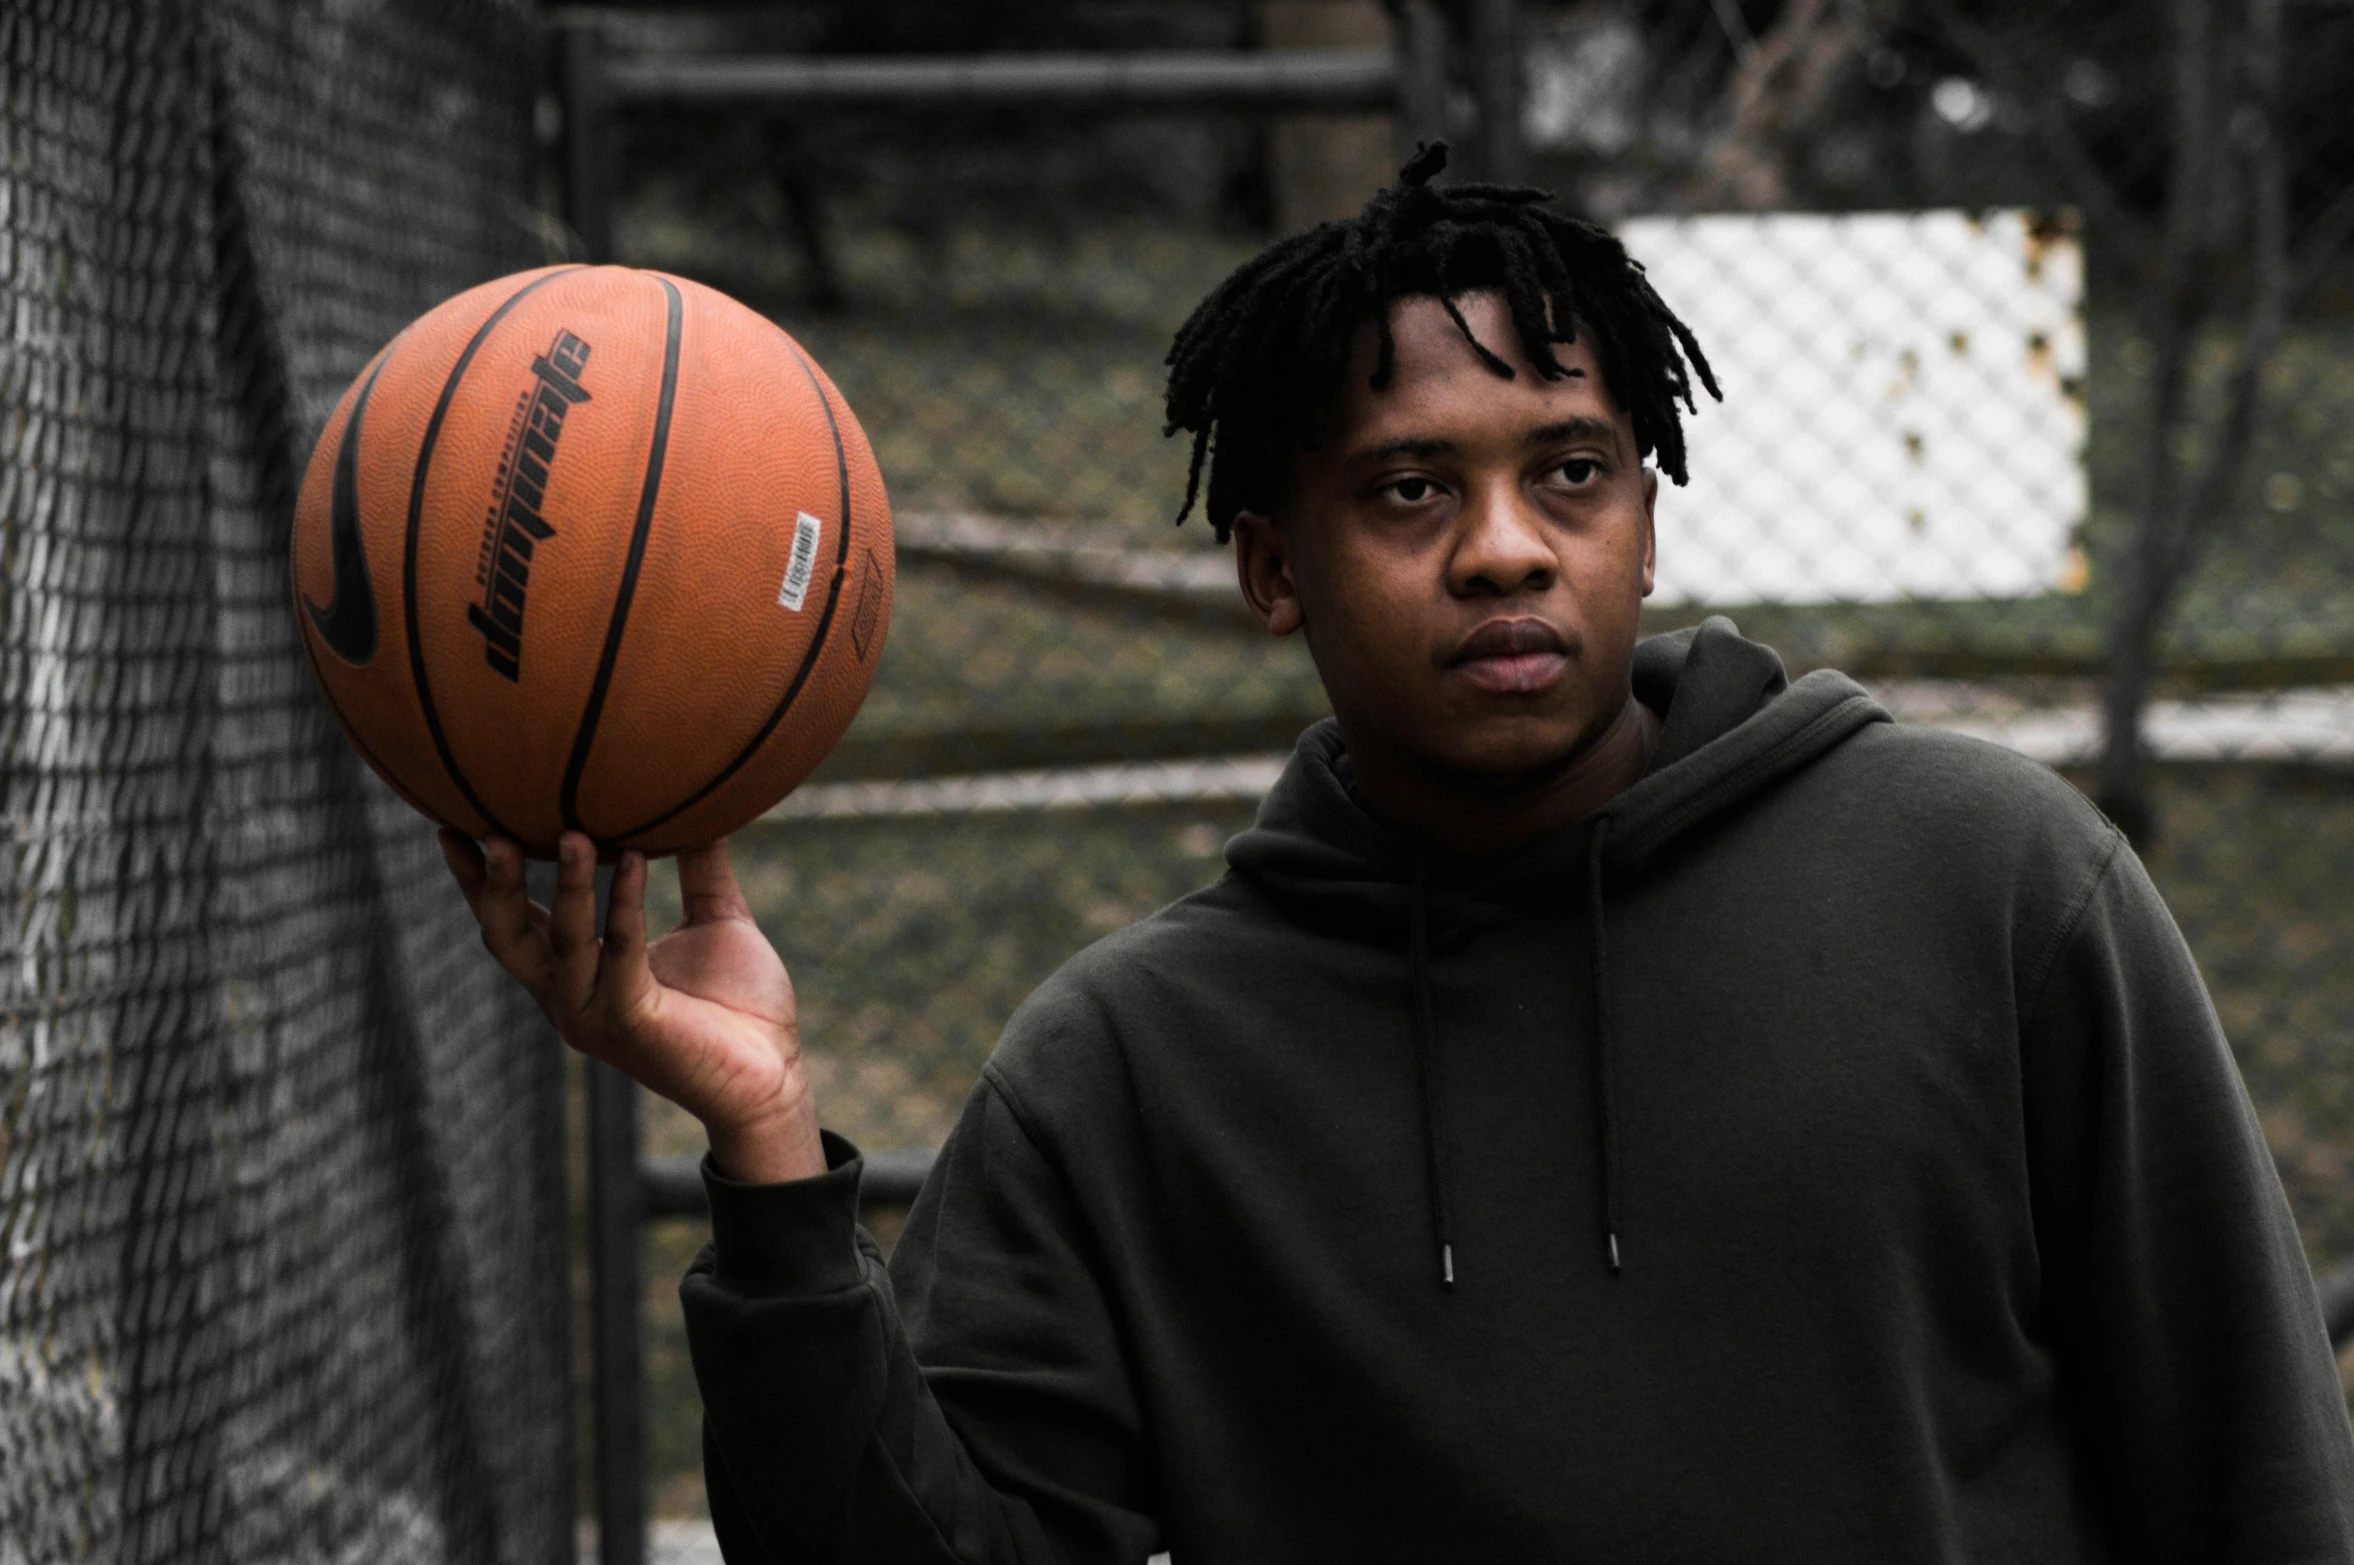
<point>817,637</point>
<point>319,676</point>
<point>568,801</point>
<point>383,772</point>
<point>417,679</point>
<point>348,623</point>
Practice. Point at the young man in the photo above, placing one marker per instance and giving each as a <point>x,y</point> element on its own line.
<point>1619,1105</point>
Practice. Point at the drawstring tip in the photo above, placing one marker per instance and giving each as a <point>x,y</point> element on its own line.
<point>1614,1255</point>
<point>1447,1265</point>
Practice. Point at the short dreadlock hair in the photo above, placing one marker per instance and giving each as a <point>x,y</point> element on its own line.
<point>1254,370</point>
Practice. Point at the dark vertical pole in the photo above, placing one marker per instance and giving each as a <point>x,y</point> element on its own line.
<point>616,1204</point>
<point>1422,76</point>
<point>617,1289</point>
<point>588,143</point>
<point>1495,84</point>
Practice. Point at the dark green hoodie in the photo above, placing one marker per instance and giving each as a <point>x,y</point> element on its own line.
<point>1824,1152</point>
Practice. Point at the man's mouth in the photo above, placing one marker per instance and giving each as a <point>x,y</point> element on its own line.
<point>1511,656</point>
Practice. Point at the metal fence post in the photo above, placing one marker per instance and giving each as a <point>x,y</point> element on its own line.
<point>1422,76</point>
<point>616,1203</point>
<point>588,141</point>
<point>1495,84</point>
<point>617,1327</point>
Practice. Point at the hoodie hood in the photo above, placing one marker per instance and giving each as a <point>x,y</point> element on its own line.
<point>1732,724</point>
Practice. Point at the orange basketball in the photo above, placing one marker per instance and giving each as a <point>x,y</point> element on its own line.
<point>596,549</point>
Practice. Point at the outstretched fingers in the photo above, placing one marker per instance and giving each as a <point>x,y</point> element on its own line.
<point>572,930</point>
<point>625,907</point>
<point>464,857</point>
<point>491,877</point>
<point>598,992</point>
<point>625,979</point>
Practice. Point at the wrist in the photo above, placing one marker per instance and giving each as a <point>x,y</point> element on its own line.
<point>776,1146</point>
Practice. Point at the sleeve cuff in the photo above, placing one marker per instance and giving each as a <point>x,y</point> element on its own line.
<point>796,1237</point>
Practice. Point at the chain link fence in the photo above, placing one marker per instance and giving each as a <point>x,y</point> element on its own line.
<point>2038,348</point>
<point>2038,339</point>
<point>281,1167</point>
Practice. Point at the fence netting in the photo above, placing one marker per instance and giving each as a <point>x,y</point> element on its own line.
<point>1980,279</point>
<point>281,1177</point>
<point>2038,344</point>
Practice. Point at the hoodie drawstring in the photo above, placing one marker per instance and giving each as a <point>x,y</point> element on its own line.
<point>1605,1076</point>
<point>1427,1066</point>
<point>1426,1062</point>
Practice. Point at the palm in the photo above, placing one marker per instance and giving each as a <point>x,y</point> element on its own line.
<point>721,1018</point>
<point>703,1016</point>
<point>729,963</point>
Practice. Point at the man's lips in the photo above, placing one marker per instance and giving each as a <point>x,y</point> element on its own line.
<point>1507,656</point>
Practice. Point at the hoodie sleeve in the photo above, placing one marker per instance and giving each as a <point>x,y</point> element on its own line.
<point>2175,1286</point>
<point>988,1419</point>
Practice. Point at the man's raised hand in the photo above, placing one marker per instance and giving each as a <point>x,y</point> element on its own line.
<point>704,1016</point>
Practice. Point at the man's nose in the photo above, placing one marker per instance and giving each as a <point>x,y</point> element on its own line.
<point>1501,547</point>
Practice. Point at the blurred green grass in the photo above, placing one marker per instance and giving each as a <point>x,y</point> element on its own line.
<point>1007,370</point>
<point>1017,373</point>
<point>911,941</point>
<point>972,666</point>
<point>2255,865</point>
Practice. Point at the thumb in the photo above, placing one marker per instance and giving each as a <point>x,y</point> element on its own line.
<point>707,889</point>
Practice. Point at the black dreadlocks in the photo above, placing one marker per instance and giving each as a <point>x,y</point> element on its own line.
<point>1254,369</point>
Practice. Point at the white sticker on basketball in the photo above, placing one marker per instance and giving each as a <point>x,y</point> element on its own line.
<point>803,562</point>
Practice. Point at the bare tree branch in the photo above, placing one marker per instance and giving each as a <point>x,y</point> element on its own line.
<point>1997,59</point>
<point>2222,232</point>
<point>1779,89</point>
<point>2326,236</point>
<point>2269,296</point>
<point>2177,309</point>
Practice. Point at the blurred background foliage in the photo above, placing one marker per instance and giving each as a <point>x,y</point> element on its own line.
<point>994,291</point>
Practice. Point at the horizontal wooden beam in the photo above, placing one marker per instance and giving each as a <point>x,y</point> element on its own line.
<point>1290,80</point>
<point>673,1186</point>
<point>961,751</point>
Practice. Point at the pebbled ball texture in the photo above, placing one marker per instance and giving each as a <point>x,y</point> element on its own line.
<point>594,548</point>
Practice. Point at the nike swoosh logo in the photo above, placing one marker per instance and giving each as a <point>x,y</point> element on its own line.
<point>348,624</point>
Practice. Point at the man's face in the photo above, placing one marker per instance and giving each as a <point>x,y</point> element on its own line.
<point>1467,554</point>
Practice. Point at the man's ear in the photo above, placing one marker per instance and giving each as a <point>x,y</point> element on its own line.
<point>1262,564</point>
<point>1650,530</point>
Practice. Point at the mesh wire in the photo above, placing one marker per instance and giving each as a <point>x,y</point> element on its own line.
<point>280,1154</point>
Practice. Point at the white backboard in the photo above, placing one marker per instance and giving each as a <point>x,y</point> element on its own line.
<point>1903,412</point>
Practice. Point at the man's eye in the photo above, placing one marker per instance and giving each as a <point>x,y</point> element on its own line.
<point>1413,490</point>
<point>1577,470</point>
